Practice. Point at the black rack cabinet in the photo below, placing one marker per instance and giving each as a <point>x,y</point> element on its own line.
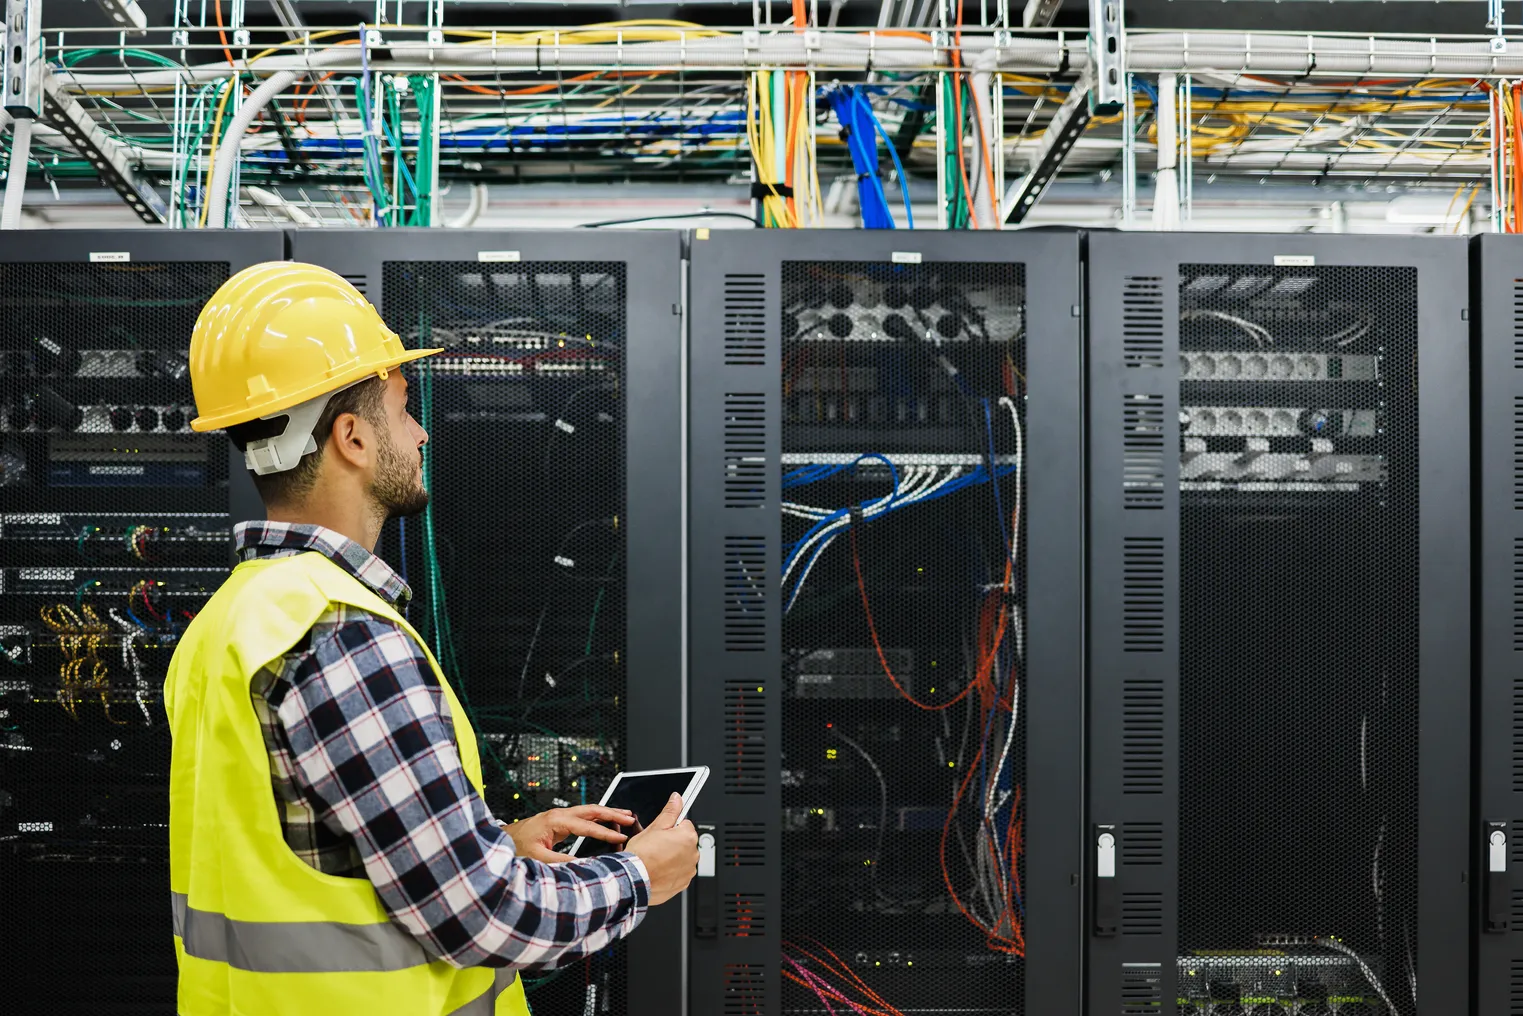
<point>548,576</point>
<point>114,529</point>
<point>885,465</point>
<point>1278,625</point>
<point>1497,267</point>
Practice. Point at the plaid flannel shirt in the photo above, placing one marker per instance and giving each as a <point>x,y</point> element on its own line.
<point>369,785</point>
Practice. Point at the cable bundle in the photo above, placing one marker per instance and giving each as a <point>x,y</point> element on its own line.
<point>833,981</point>
<point>860,129</point>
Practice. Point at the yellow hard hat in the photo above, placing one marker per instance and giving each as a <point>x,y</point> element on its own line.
<point>280,333</point>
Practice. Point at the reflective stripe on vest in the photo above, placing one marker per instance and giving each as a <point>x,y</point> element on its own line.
<point>312,947</point>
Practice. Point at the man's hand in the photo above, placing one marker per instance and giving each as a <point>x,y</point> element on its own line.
<point>669,852</point>
<point>536,837</point>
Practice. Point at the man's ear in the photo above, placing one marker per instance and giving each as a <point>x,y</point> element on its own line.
<point>352,439</point>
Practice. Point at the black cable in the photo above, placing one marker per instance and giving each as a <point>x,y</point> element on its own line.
<point>674,215</point>
<point>539,625</point>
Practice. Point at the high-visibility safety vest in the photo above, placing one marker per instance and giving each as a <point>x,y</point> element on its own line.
<point>258,931</point>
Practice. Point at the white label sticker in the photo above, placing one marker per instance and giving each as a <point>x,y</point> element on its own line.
<point>905,257</point>
<point>97,256</point>
<point>1295,260</point>
<point>497,255</point>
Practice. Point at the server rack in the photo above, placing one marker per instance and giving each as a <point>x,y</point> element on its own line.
<point>546,571</point>
<point>882,379</point>
<point>1279,627</point>
<point>114,524</point>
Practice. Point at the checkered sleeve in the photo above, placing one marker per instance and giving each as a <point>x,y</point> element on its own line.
<point>368,728</point>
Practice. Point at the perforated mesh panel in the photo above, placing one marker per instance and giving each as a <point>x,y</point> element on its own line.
<point>1298,639</point>
<point>113,523</point>
<point>526,604</point>
<point>899,598</point>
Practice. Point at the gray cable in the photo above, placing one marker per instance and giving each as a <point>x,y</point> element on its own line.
<point>1364,968</point>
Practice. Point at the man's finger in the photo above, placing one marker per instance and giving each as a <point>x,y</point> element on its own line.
<point>668,816</point>
<point>598,813</point>
<point>594,831</point>
<point>551,857</point>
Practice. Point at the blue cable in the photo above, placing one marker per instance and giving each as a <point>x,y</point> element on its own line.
<point>904,181</point>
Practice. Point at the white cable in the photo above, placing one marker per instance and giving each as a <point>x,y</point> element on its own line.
<point>882,809</point>
<point>1369,975</point>
<point>1257,332</point>
<point>15,177</point>
<point>227,155</point>
<point>130,660</point>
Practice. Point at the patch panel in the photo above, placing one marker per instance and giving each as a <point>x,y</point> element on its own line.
<point>1236,365</point>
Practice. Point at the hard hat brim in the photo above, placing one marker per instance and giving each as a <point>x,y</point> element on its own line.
<point>353,374</point>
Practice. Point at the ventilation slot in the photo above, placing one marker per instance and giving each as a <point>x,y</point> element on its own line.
<point>1142,620</point>
<point>1142,735</point>
<point>745,738</point>
<point>1142,321</point>
<point>745,915</point>
<point>745,989</point>
<point>744,845</point>
<point>1142,914</point>
<point>1516,910</point>
<point>1517,453</point>
<point>1142,844</point>
<point>1142,452</point>
<point>745,320</point>
<point>1517,594</point>
<point>1141,989</point>
<point>745,594</point>
<point>358,281</point>
<point>1517,324</point>
<point>1515,990</point>
<point>745,451</point>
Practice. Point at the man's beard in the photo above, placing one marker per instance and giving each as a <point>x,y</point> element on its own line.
<point>397,491</point>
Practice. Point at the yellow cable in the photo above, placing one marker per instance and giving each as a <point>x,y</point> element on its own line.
<point>211,158</point>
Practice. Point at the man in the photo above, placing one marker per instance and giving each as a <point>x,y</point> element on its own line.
<point>330,851</point>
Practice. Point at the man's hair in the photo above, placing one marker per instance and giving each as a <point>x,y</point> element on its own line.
<point>363,400</point>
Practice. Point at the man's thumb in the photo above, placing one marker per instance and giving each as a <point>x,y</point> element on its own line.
<point>668,817</point>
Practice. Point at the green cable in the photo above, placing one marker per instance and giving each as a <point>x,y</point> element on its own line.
<point>74,56</point>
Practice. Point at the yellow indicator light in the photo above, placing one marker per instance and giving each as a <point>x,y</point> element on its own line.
<point>830,753</point>
<point>573,783</point>
<point>877,963</point>
<point>933,691</point>
<point>951,765</point>
<point>515,797</point>
<point>909,963</point>
<point>920,569</point>
<point>758,689</point>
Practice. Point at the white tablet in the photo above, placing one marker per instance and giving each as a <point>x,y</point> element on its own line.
<point>645,794</point>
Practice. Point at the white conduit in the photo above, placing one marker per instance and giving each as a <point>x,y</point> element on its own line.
<point>1224,56</point>
<point>15,177</point>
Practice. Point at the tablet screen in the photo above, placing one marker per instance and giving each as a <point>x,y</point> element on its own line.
<point>643,795</point>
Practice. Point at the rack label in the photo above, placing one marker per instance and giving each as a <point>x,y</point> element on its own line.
<point>507,256</point>
<point>99,256</point>
<point>905,257</point>
<point>1295,260</point>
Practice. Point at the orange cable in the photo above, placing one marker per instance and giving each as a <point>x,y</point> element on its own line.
<point>221,34</point>
<point>1517,158</point>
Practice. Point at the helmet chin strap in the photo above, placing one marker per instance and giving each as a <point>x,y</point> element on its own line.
<point>282,452</point>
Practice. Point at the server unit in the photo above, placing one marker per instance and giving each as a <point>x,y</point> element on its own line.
<point>1278,625</point>
<point>545,571</point>
<point>885,621</point>
<point>114,529</point>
